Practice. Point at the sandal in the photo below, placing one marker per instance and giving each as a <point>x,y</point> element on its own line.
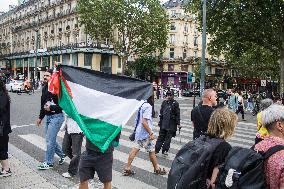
<point>160,171</point>
<point>128,172</point>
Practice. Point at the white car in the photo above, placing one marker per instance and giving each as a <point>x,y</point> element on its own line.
<point>15,85</point>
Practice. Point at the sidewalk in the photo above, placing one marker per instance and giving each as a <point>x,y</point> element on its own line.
<point>26,176</point>
<point>23,177</point>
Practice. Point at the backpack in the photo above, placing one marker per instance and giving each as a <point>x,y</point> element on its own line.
<point>189,168</point>
<point>244,169</point>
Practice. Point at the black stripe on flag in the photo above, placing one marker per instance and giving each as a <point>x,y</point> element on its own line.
<point>122,86</point>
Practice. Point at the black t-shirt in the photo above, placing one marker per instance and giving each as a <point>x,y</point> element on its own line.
<point>199,123</point>
<point>218,157</point>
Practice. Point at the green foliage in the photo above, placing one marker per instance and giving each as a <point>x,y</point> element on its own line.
<point>256,62</point>
<point>144,67</point>
<point>249,33</point>
<point>135,27</point>
<point>196,69</point>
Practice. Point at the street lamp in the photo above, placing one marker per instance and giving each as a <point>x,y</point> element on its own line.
<point>202,68</point>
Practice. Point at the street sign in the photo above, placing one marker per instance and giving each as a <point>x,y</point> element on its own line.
<point>263,83</point>
<point>189,77</point>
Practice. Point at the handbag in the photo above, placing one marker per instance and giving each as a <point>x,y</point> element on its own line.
<point>132,136</point>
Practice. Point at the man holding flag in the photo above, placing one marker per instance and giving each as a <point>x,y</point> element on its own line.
<point>54,119</point>
<point>101,104</point>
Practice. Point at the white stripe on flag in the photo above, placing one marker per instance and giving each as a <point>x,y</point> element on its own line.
<point>105,107</point>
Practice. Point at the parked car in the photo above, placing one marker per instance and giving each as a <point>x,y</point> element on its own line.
<point>15,85</point>
<point>190,93</point>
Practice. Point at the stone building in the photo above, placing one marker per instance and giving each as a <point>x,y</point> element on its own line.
<point>48,31</point>
<point>184,50</point>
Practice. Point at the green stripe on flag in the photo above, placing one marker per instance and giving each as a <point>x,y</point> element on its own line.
<point>100,133</point>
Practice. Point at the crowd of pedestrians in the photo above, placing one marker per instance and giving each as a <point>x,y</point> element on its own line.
<point>212,126</point>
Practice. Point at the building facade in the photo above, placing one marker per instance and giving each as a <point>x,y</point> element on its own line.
<point>184,50</point>
<point>38,33</point>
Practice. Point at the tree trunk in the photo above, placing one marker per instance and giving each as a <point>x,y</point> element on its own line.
<point>282,71</point>
<point>124,61</point>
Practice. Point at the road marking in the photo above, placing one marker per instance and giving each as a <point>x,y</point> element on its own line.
<point>20,126</point>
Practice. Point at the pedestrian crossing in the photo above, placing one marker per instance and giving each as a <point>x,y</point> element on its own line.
<point>144,177</point>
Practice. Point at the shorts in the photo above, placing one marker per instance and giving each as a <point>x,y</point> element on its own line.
<point>4,140</point>
<point>92,162</point>
<point>147,144</point>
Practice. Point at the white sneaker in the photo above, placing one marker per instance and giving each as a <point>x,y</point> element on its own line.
<point>5,173</point>
<point>67,175</point>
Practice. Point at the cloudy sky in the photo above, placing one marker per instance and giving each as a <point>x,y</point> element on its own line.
<point>5,4</point>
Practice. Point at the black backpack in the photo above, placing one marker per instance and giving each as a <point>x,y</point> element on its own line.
<point>189,168</point>
<point>246,168</point>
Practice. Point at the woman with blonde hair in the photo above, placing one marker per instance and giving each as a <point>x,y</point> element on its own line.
<point>221,125</point>
<point>205,154</point>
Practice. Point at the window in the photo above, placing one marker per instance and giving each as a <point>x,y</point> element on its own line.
<point>184,67</point>
<point>106,63</point>
<point>195,42</point>
<point>119,62</point>
<point>186,27</point>
<point>209,70</point>
<point>172,52</point>
<point>75,59</point>
<point>45,61</point>
<point>184,53</point>
<point>88,59</point>
<point>172,39</point>
<point>173,26</point>
<point>171,67</point>
<point>66,59</point>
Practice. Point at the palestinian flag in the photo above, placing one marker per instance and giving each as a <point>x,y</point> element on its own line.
<point>100,103</point>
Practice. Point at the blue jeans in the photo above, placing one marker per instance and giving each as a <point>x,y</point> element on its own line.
<point>250,106</point>
<point>52,126</point>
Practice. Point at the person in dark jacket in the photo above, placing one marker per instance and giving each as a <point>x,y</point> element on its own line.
<point>54,119</point>
<point>5,129</point>
<point>169,122</point>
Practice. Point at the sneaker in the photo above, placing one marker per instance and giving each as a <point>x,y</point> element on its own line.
<point>61,161</point>
<point>4,173</point>
<point>44,166</point>
<point>67,175</point>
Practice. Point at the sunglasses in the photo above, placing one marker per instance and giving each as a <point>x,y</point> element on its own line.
<point>46,75</point>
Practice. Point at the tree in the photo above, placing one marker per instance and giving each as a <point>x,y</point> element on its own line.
<point>144,67</point>
<point>237,27</point>
<point>134,27</point>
